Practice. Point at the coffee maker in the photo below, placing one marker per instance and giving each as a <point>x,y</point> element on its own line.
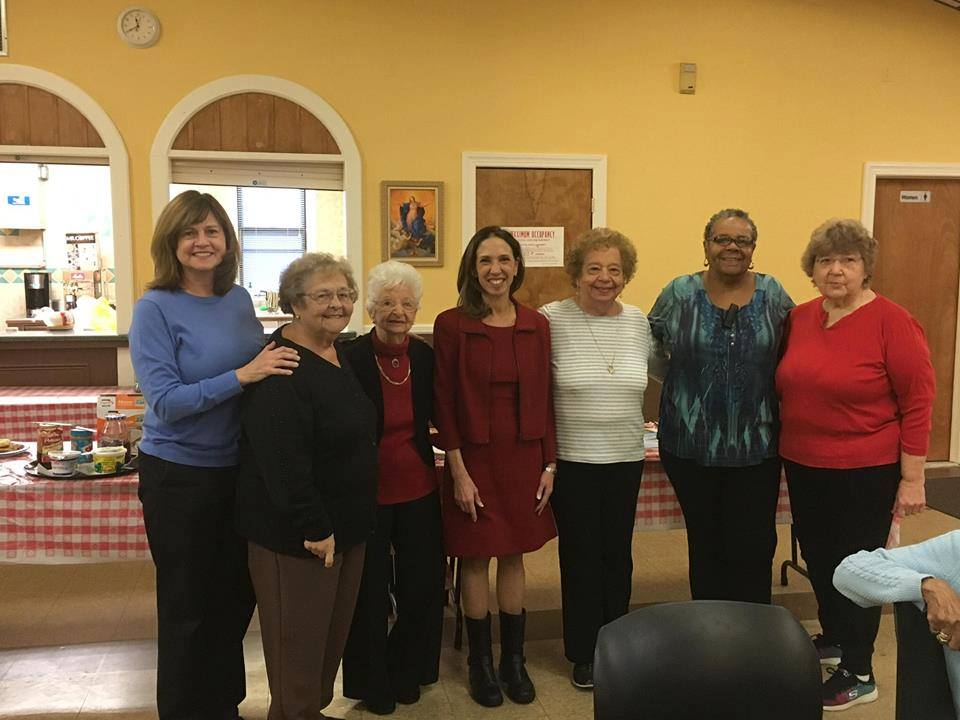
<point>36,288</point>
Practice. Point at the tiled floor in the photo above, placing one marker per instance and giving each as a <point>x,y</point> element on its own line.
<point>79,644</point>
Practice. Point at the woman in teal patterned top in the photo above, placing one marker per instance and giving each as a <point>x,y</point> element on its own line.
<point>718,337</point>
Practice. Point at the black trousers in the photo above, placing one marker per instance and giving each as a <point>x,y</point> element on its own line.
<point>730,514</point>
<point>837,513</point>
<point>594,507</point>
<point>204,595</point>
<point>377,665</point>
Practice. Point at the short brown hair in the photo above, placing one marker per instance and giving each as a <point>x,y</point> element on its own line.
<point>295,276</point>
<point>186,209</point>
<point>841,235</point>
<point>471,301</point>
<point>596,239</point>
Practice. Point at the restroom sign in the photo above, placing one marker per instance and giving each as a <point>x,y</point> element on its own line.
<point>915,196</point>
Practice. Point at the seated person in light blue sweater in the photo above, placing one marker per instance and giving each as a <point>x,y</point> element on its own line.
<point>926,573</point>
<point>195,342</point>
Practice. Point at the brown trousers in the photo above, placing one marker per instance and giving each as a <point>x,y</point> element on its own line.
<point>305,613</point>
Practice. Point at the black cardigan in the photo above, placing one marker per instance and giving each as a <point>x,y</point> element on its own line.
<point>360,354</point>
<point>308,457</point>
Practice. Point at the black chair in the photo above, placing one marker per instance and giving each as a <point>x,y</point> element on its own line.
<point>706,659</point>
<point>923,690</point>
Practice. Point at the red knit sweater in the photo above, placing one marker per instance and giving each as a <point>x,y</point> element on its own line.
<point>854,394</point>
<point>403,475</point>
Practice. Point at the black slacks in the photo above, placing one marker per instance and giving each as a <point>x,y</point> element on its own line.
<point>376,665</point>
<point>837,513</point>
<point>204,595</point>
<point>730,514</point>
<point>594,507</point>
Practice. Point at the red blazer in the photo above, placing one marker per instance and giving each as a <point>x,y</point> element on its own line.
<point>461,380</point>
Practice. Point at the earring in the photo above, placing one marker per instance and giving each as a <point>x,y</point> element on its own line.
<point>706,263</point>
<point>750,266</point>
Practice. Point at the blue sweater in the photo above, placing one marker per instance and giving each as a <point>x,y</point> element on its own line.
<point>880,576</point>
<point>185,351</point>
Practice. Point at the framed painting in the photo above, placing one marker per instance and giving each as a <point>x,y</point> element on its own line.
<point>3,27</point>
<point>411,222</point>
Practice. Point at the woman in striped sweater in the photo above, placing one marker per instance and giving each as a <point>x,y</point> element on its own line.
<point>599,359</point>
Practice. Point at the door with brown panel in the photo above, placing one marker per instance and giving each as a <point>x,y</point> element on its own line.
<point>918,266</point>
<point>539,197</point>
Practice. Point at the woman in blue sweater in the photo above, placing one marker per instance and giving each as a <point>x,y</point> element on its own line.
<point>195,342</point>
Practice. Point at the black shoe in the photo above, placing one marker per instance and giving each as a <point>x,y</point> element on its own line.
<point>582,676</point>
<point>408,697</point>
<point>513,671</point>
<point>484,688</point>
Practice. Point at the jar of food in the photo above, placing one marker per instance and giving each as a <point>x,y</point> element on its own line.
<point>108,459</point>
<point>115,433</point>
<point>49,437</point>
<point>82,439</point>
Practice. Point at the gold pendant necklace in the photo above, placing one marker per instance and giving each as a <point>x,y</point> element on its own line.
<point>384,375</point>
<point>611,362</point>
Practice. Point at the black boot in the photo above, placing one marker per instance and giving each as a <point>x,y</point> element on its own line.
<point>513,673</point>
<point>484,688</point>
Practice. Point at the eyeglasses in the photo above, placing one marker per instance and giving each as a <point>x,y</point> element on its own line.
<point>741,241</point>
<point>325,297</point>
<point>408,306</point>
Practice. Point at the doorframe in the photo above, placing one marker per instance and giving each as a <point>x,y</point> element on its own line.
<point>473,161</point>
<point>874,171</point>
<point>162,151</point>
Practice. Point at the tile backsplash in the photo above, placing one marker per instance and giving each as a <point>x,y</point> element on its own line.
<point>12,301</point>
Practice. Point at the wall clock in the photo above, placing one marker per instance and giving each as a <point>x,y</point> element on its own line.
<point>138,27</point>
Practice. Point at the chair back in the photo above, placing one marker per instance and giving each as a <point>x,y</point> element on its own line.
<point>923,690</point>
<point>706,659</point>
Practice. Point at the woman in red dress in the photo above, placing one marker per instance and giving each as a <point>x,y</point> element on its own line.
<point>494,411</point>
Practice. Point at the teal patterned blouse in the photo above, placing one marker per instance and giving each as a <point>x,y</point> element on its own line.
<point>719,405</point>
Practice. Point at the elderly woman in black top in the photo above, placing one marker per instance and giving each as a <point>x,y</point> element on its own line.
<point>306,496</point>
<point>396,371</point>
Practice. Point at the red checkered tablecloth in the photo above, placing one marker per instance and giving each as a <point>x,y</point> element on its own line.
<point>22,408</point>
<point>657,506</point>
<point>68,521</point>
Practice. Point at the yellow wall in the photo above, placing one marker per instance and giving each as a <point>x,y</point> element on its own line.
<point>794,97</point>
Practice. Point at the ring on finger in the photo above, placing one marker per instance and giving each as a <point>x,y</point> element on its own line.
<point>942,637</point>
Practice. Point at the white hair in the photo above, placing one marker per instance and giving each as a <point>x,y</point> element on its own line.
<point>388,275</point>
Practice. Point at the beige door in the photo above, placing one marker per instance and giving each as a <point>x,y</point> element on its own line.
<point>541,197</point>
<point>919,267</point>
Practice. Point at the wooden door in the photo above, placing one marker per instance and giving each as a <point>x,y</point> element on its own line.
<point>919,267</point>
<point>541,197</point>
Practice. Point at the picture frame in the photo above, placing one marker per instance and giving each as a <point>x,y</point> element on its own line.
<point>3,28</point>
<point>412,222</point>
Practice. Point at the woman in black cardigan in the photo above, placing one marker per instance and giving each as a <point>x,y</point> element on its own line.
<point>396,371</point>
<point>306,493</point>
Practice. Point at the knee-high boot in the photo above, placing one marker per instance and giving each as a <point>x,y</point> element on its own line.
<point>513,672</point>
<point>484,688</point>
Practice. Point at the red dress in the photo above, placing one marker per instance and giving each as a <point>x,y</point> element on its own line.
<point>507,467</point>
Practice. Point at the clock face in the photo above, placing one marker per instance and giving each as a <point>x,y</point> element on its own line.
<point>139,27</point>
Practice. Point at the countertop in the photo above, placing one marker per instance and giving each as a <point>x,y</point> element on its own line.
<point>66,337</point>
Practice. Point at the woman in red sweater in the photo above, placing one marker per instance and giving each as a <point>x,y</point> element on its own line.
<point>395,370</point>
<point>856,396</point>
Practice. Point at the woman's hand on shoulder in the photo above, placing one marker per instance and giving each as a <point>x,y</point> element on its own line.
<point>545,489</point>
<point>323,549</point>
<point>272,360</point>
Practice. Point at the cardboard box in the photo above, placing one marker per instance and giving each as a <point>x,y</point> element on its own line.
<point>130,404</point>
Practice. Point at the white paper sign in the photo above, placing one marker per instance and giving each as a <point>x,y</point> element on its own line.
<point>915,196</point>
<point>542,246</point>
